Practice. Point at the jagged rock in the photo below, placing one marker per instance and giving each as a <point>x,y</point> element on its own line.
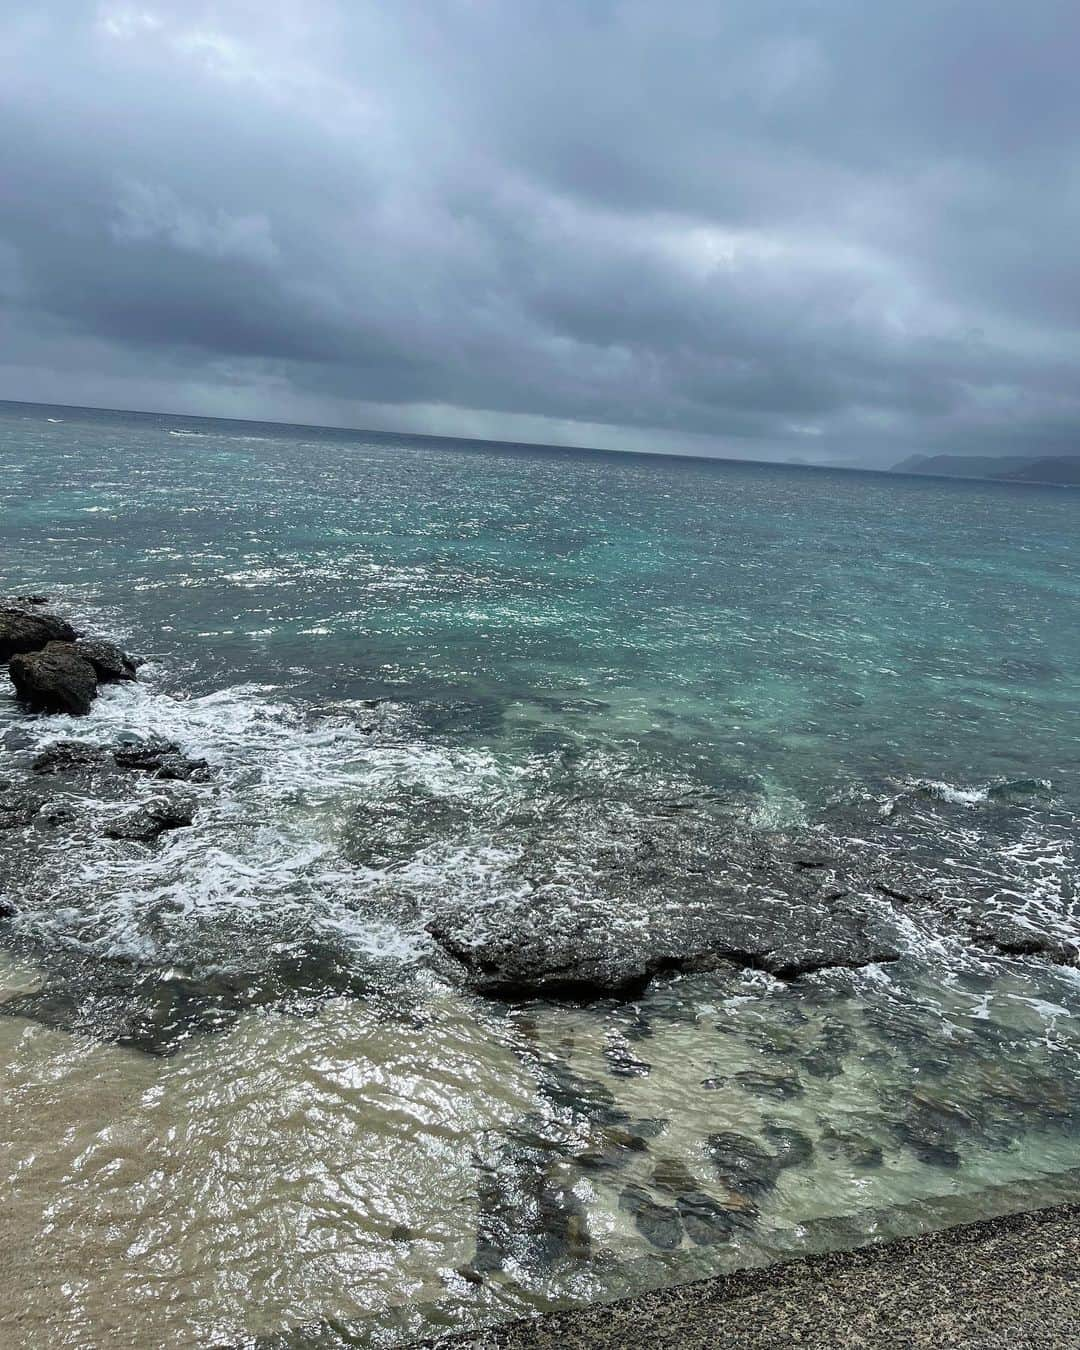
<point>54,680</point>
<point>109,661</point>
<point>22,631</point>
<point>68,756</point>
<point>527,951</point>
<point>163,759</point>
<point>1011,938</point>
<point>146,822</point>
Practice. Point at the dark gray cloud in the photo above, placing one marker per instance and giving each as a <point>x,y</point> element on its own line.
<point>814,228</point>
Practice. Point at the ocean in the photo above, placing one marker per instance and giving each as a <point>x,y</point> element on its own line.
<point>349,1060</point>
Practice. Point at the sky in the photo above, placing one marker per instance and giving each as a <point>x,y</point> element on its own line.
<point>828,230</point>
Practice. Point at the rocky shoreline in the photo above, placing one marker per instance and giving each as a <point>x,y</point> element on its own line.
<point>672,889</point>
<point>789,904</point>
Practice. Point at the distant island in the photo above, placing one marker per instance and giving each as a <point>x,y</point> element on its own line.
<point>1058,469</point>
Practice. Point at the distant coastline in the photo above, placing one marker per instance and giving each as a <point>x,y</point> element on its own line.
<point>1049,470</point>
<point>1032,470</point>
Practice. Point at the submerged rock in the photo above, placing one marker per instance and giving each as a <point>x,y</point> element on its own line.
<point>17,807</point>
<point>23,631</point>
<point>1009,937</point>
<point>54,680</point>
<point>154,817</point>
<point>762,1083</point>
<point>793,1148</point>
<point>156,1011</point>
<point>706,1221</point>
<point>660,1224</point>
<point>744,1166</point>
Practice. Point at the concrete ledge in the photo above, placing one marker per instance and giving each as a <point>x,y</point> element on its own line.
<point>1012,1281</point>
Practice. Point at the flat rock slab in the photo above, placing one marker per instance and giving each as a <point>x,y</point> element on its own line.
<point>592,951</point>
<point>1013,1281</point>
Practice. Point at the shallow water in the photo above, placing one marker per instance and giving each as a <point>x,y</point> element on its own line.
<point>426,674</point>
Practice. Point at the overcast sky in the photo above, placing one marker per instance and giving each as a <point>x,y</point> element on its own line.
<point>836,230</point>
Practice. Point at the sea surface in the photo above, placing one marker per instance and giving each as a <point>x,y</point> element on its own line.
<point>426,672</point>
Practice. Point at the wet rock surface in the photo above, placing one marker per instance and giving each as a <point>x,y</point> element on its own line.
<point>151,819</point>
<point>156,1011</point>
<point>26,628</point>
<point>56,679</point>
<point>161,759</point>
<point>110,662</point>
<point>53,668</point>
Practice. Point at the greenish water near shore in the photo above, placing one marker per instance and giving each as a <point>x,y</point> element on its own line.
<point>421,670</point>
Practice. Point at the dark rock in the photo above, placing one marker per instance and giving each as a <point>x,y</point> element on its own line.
<point>743,1165</point>
<point>17,807</point>
<point>108,660</point>
<point>1011,938</point>
<point>22,631</point>
<point>659,1224</point>
<point>706,1221</point>
<point>907,889</point>
<point>761,1083</point>
<point>54,680</point>
<point>527,1212</point>
<point>857,1148</point>
<point>156,1011</point>
<point>622,1063</point>
<point>20,600</point>
<point>531,951</point>
<point>671,1175</point>
<point>162,759</point>
<point>793,1148</point>
<point>66,756</point>
<point>146,822</point>
<point>7,907</point>
<point>56,813</point>
<point>820,1064</point>
<point>392,829</point>
<point>146,754</point>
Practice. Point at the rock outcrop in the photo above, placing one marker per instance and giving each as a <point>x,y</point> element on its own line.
<point>53,668</point>
<point>109,661</point>
<point>26,630</point>
<point>56,679</point>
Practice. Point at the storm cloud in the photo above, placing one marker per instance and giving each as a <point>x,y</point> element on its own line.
<point>821,229</point>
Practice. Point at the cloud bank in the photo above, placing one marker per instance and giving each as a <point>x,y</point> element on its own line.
<point>811,228</point>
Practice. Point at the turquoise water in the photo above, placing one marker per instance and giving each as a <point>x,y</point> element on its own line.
<point>429,669</point>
